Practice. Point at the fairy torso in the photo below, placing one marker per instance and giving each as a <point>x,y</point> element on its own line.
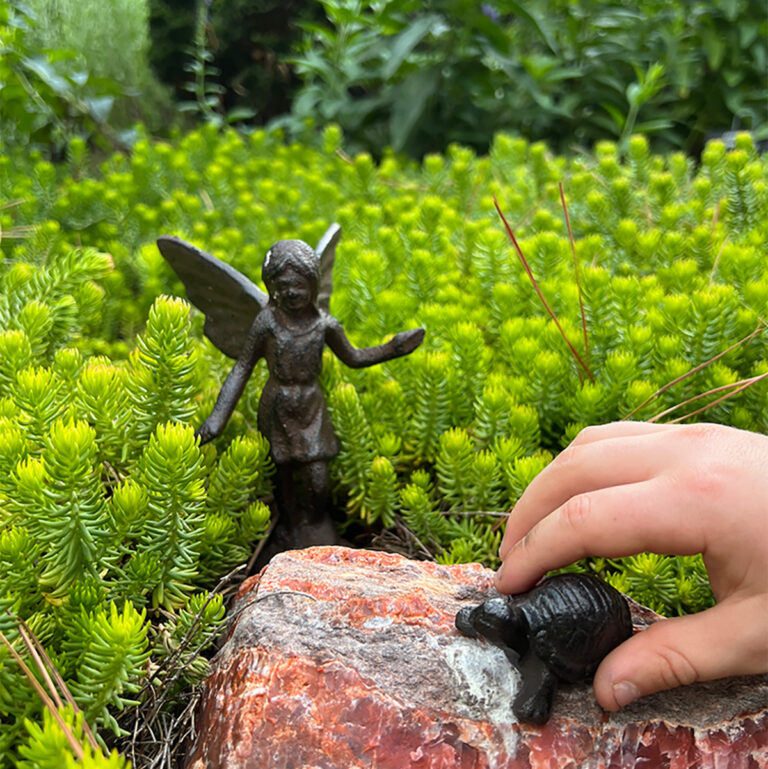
<point>292,411</point>
<point>293,355</point>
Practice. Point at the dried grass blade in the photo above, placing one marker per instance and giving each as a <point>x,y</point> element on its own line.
<point>21,231</point>
<point>32,649</point>
<point>541,296</point>
<point>77,748</point>
<point>699,396</point>
<point>13,203</point>
<point>744,384</point>
<point>49,666</point>
<point>695,370</point>
<point>717,261</point>
<point>576,273</point>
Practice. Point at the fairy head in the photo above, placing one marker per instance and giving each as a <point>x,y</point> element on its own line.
<point>290,272</point>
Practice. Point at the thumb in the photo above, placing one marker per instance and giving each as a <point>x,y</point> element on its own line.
<point>727,640</point>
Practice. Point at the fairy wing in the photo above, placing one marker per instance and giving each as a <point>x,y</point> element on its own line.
<point>326,253</point>
<point>225,296</point>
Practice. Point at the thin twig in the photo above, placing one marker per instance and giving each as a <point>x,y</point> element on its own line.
<point>262,543</point>
<point>170,661</point>
<point>694,370</point>
<point>410,533</point>
<point>535,285</point>
<point>490,514</point>
<point>175,674</point>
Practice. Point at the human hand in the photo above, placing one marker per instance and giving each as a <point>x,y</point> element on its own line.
<point>629,487</point>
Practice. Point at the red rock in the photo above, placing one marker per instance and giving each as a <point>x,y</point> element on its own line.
<point>344,659</point>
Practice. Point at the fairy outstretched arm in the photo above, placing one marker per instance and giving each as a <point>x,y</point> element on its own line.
<point>234,384</point>
<point>403,343</point>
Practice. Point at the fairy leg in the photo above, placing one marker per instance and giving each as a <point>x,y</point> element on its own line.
<point>318,523</point>
<point>302,493</point>
<point>285,491</point>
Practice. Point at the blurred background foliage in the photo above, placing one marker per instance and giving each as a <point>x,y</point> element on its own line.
<point>418,75</point>
<point>246,43</point>
<point>414,76</point>
<point>63,76</point>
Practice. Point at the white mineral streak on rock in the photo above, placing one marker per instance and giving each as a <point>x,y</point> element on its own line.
<point>485,680</point>
<point>377,623</point>
<point>487,684</point>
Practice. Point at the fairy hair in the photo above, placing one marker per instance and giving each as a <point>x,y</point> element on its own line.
<point>295,254</point>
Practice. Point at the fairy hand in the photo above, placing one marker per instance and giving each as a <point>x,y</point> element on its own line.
<point>406,342</point>
<point>209,430</point>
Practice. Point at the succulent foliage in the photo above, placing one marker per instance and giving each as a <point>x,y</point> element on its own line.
<point>115,524</point>
<point>105,534</point>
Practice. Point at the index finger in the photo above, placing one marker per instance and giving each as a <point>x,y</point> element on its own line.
<point>609,522</point>
<point>609,455</point>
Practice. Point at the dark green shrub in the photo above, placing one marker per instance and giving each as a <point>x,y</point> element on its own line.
<point>114,50</point>
<point>419,75</point>
<point>46,99</point>
<point>243,45</point>
<point>64,77</point>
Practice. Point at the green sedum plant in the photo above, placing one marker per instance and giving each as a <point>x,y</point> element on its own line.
<point>105,543</point>
<point>115,525</point>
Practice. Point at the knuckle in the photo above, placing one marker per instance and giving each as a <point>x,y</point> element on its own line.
<point>524,546</point>
<point>708,479</point>
<point>710,476</point>
<point>567,457</point>
<point>575,512</point>
<point>702,434</point>
<point>675,669</point>
<point>587,434</point>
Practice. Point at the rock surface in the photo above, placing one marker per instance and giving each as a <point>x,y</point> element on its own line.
<point>344,659</point>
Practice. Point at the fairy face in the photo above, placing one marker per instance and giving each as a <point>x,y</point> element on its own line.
<point>292,291</point>
<point>290,273</point>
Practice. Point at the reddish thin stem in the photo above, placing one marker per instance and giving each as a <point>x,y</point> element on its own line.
<point>576,273</point>
<point>743,385</point>
<point>535,285</point>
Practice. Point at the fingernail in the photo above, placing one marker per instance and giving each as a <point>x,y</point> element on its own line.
<point>625,692</point>
<point>497,576</point>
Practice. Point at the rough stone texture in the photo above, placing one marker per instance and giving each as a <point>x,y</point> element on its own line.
<point>343,659</point>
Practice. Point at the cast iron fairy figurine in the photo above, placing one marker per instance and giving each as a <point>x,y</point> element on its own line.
<point>289,328</point>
